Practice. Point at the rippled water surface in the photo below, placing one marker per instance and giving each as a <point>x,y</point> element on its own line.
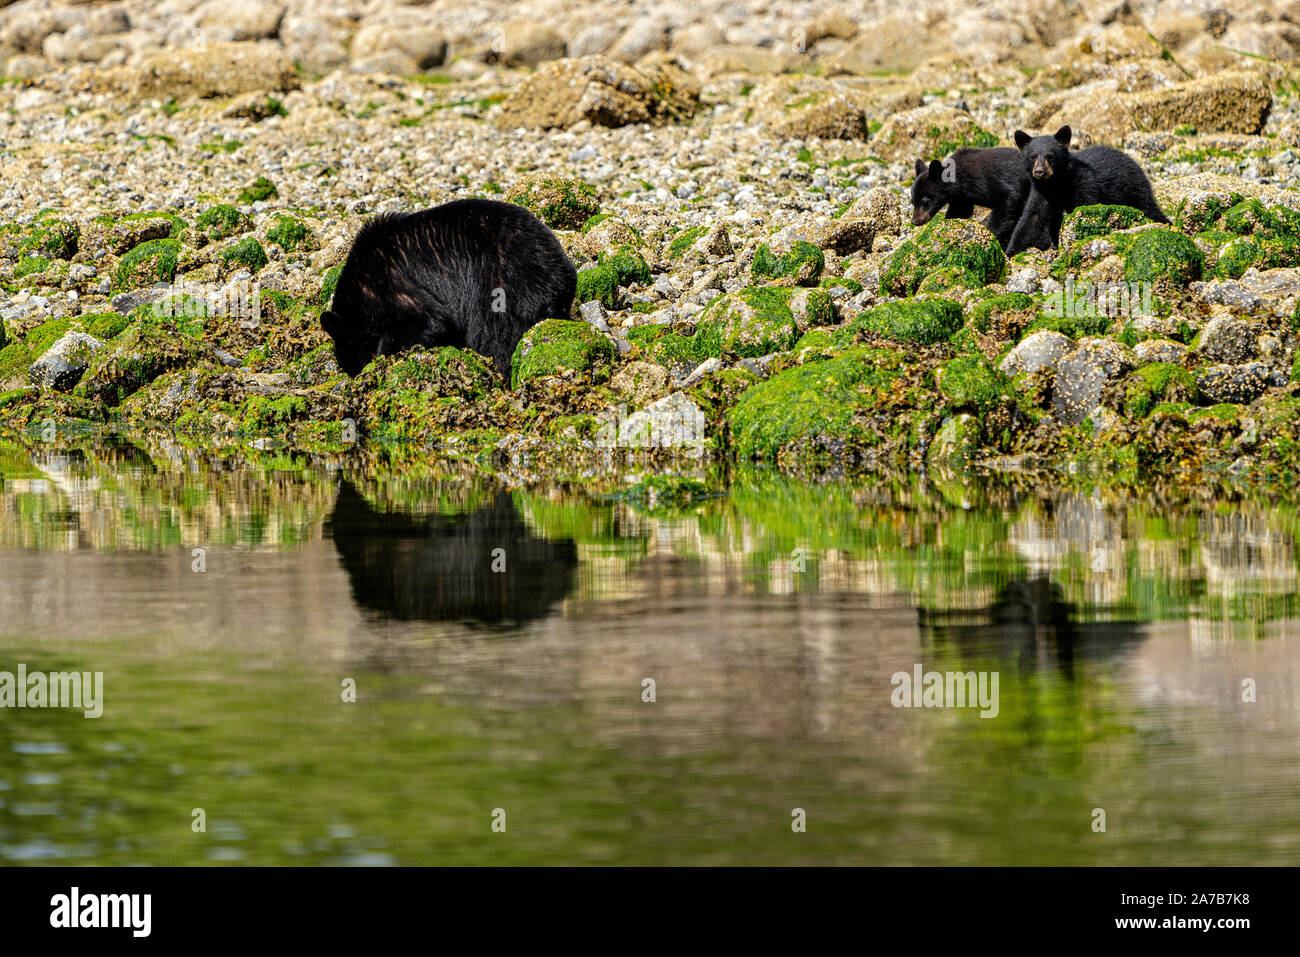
<point>500,633</point>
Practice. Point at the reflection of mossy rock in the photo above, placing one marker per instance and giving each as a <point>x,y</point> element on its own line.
<point>1162,254</point>
<point>803,263</point>
<point>762,319</point>
<point>940,244</point>
<point>556,346</point>
<point>957,440</point>
<point>137,357</point>
<point>148,263</point>
<point>919,321</point>
<point>559,203</point>
<point>815,407</point>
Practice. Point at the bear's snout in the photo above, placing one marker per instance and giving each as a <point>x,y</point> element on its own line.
<point>920,216</point>
<point>1042,169</point>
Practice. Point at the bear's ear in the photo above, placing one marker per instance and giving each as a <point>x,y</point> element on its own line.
<point>1022,138</point>
<point>920,167</point>
<point>331,323</point>
<point>1063,136</point>
<point>936,168</point>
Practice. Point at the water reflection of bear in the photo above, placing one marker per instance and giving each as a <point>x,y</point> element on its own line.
<point>1032,624</point>
<point>441,567</point>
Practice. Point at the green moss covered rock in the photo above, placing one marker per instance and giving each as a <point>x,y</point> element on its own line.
<point>1236,256</point>
<point>289,233</point>
<point>138,356</point>
<point>628,265</point>
<point>919,321</point>
<point>247,254</point>
<point>557,346</point>
<point>940,244</point>
<point>759,320</point>
<point>148,263</point>
<point>815,408</point>
<point>48,236</point>
<point>678,353</point>
<point>260,190</point>
<point>1093,222</point>
<point>1157,255</point>
<point>220,222</point>
<point>803,263</point>
<point>1156,384</point>
<point>597,283</point>
<point>559,203</point>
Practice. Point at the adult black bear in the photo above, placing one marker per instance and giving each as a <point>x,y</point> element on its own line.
<point>1063,181</point>
<point>473,273</point>
<point>972,177</point>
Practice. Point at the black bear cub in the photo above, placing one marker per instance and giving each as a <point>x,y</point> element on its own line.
<point>972,177</point>
<point>472,273</point>
<point>1063,181</point>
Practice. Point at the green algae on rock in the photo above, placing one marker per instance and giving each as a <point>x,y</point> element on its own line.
<point>559,203</point>
<point>1157,255</point>
<point>1156,384</point>
<point>939,244</point>
<point>260,190</point>
<point>1093,222</point>
<point>556,346</point>
<point>135,358</point>
<point>220,222</point>
<point>803,263</point>
<point>150,262</point>
<point>759,320</point>
<point>918,321</point>
<point>823,408</point>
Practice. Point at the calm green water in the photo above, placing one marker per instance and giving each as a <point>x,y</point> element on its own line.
<point>770,616</point>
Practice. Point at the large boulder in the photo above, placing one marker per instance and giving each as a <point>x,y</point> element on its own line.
<point>218,69</point>
<point>62,365</point>
<point>602,91</point>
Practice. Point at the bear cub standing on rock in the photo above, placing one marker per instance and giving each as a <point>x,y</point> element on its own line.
<point>972,177</point>
<point>1063,181</point>
<point>474,273</point>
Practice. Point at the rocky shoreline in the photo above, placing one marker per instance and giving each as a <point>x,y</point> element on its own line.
<point>179,191</point>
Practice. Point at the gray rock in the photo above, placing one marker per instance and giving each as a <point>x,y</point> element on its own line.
<point>669,423</point>
<point>63,364</point>
<point>1082,376</point>
<point>1225,339</point>
<point>1025,281</point>
<point>1233,383</point>
<point>126,301</point>
<point>1160,350</point>
<point>663,286</point>
<point>696,376</point>
<point>593,313</point>
<point>1042,350</point>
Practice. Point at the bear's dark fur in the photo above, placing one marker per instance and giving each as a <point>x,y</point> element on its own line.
<point>473,273</point>
<point>1063,181</point>
<point>994,178</point>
